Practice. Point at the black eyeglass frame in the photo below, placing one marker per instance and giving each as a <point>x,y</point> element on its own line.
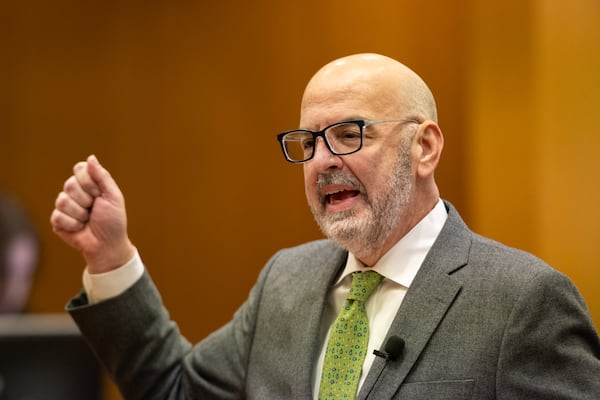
<point>361,123</point>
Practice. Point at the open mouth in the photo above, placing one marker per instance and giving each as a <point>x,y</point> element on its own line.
<point>341,196</point>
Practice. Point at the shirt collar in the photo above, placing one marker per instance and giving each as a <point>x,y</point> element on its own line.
<point>402,262</point>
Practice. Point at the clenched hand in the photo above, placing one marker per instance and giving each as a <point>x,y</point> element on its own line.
<point>90,215</point>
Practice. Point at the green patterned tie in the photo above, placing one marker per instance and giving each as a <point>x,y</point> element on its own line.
<point>348,340</point>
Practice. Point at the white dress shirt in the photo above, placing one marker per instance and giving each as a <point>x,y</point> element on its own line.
<point>399,266</point>
<point>103,286</point>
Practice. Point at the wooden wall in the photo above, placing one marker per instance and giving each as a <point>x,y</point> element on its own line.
<point>182,101</point>
<point>534,91</point>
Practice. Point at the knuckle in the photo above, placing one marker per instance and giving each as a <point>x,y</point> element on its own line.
<point>70,185</point>
<point>56,219</point>
<point>61,201</point>
<point>80,166</point>
<point>53,217</point>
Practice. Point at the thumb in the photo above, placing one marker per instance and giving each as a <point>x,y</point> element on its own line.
<point>102,178</point>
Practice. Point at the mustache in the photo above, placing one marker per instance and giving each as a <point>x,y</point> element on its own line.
<point>338,178</point>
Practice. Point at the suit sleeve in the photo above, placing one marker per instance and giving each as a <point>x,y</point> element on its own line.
<point>550,349</point>
<point>147,356</point>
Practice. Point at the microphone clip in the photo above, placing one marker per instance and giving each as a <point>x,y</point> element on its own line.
<point>384,354</point>
<point>392,349</point>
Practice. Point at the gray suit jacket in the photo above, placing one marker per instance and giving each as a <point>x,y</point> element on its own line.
<point>480,321</point>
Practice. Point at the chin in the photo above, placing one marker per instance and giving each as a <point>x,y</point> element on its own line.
<point>347,232</point>
<point>359,234</point>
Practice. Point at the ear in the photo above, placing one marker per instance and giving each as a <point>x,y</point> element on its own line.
<point>429,142</point>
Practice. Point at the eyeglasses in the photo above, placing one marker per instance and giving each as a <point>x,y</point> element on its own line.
<point>341,138</point>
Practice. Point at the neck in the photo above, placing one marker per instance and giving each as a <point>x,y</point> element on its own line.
<point>370,257</point>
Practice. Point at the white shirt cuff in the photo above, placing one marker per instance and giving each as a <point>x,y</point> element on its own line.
<point>110,284</point>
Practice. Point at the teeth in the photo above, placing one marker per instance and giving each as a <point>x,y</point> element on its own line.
<point>336,196</point>
<point>330,196</point>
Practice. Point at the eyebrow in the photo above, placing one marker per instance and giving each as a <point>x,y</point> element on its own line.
<point>360,118</point>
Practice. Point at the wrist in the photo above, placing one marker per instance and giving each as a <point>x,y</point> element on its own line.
<point>110,258</point>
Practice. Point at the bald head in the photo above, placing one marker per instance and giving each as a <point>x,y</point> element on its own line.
<point>390,88</point>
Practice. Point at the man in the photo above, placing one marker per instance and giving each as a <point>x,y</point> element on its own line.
<point>464,317</point>
<point>18,256</point>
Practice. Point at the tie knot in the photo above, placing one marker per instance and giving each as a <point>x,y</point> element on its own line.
<point>363,284</point>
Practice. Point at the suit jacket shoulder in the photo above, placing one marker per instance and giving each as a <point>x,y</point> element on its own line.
<point>485,321</point>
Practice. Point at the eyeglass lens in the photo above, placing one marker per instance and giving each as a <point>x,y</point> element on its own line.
<point>342,138</point>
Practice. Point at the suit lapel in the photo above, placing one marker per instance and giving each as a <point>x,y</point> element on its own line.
<point>307,339</point>
<point>423,308</point>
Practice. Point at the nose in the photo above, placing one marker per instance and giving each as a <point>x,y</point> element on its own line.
<point>323,158</point>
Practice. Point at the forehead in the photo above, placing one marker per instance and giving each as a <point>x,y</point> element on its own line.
<point>330,103</point>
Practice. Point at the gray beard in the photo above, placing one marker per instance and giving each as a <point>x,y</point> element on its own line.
<point>362,235</point>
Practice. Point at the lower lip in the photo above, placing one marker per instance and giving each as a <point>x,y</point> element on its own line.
<point>342,205</point>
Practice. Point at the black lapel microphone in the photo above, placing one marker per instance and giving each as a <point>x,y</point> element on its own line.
<point>392,349</point>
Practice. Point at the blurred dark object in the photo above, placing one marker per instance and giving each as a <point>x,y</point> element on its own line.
<point>18,255</point>
<point>43,357</point>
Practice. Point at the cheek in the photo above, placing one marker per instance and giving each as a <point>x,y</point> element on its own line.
<point>375,177</point>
